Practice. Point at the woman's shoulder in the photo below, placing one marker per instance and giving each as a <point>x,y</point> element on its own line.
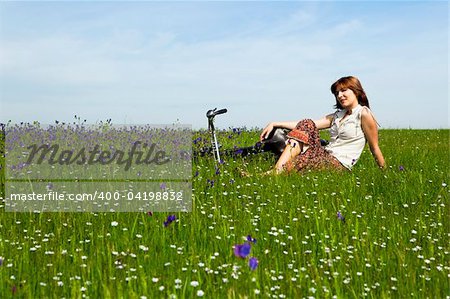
<point>367,115</point>
<point>365,111</point>
<point>338,113</point>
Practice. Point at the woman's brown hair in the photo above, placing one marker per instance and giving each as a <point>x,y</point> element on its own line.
<point>352,83</point>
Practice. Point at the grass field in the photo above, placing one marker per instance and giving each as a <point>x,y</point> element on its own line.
<point>364,233</point>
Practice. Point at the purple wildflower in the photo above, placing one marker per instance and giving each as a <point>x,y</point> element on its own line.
<point>250,239</point>
<point>340,217</point>
<point>170,219</point>
<point>401,168</point>
<point>242,250</point>
<point>150,213</point>
<point>253,263</point>
<point>239,151</point>
<point>217,171</point>
<point>185,155</point>
<point>162,186</point>
<point>210,183</point>
<point>14,289</point>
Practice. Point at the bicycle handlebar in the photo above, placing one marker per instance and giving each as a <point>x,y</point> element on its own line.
<point>212,113</point>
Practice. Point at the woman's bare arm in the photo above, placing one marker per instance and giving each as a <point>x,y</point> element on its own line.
<point>285,125</point>
<point>324,122</point>
<point>370,129</point>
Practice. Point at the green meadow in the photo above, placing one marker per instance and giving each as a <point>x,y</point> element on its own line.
<point>320,234</point>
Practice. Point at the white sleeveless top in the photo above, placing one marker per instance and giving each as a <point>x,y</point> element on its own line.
<point>347,137</point>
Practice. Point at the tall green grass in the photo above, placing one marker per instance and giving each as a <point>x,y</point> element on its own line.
<point>394,241</point>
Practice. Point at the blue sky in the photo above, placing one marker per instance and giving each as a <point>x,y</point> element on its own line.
<point>166,62</point>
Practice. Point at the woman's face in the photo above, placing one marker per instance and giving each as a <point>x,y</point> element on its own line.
<point>347,98</point>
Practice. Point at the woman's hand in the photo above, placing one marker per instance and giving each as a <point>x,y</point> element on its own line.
<point>266,131</point>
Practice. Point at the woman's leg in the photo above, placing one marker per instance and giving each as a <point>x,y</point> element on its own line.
<point>293,148</point>
<point>304,136</point>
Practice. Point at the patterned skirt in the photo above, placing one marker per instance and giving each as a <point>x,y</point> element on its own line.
<point>315,156</point>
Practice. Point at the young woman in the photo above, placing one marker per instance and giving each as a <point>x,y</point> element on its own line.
<point>350,127</point>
